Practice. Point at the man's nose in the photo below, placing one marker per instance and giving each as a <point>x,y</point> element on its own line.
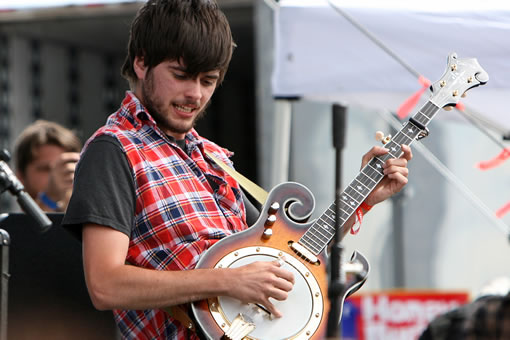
<point>193,89</point>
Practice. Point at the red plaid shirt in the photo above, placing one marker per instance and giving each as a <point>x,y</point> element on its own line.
<point>178,215</point>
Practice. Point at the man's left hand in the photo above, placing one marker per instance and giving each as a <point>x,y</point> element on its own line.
<point>395,171</point>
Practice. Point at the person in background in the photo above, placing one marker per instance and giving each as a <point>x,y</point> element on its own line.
<point>45,156</point>
<point>487,317</point>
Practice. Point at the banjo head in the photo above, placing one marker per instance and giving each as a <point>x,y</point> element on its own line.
<point>302,311</point>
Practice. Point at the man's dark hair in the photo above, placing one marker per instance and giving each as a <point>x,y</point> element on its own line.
<point>195,33</point>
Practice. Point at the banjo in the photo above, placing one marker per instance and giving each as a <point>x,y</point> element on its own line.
<point>283,233</point>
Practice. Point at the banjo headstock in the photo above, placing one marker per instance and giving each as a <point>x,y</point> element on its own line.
<point>460,76</point>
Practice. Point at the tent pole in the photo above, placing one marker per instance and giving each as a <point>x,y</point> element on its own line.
<point>280,150</point>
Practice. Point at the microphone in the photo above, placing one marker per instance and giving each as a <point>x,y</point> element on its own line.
<point>9,181</point>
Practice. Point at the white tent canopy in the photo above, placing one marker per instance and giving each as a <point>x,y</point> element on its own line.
<point>319,53</point>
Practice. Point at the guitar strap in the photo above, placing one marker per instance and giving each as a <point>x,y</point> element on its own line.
<point>259,194</point>
<point>178,313</point>
<point>253,189</point>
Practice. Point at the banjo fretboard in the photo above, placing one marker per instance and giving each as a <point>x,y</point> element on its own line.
<point>317,237</point>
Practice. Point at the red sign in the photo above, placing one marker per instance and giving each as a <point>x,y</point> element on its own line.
<point>395,315</point>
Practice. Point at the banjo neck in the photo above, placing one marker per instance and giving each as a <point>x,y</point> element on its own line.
<point>318,236</point>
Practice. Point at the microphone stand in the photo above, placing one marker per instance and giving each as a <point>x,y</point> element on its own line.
<point>9,181</point>
<point>337,277</point>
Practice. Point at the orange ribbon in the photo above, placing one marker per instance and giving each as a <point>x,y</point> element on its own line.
<point>359,213</point>
<point>492,163</point>
<point>410,103</point>
<point>503,210</point>
<point>357,225</point>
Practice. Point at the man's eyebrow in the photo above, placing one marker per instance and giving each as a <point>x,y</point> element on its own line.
<point>212,76</point>
<point>177,68</point>
<point>183,69</point>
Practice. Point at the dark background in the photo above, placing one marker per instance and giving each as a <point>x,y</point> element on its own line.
<point>47,295</point>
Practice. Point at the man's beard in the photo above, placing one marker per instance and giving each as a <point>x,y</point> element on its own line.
<point>155,107</point>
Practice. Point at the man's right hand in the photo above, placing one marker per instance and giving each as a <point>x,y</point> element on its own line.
<point>259,281</point>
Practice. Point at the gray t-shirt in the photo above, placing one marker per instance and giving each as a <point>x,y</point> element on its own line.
<point>104,189</point>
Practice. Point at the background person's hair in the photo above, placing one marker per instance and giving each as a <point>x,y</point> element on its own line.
<point>39,133</point>
<point>193,32</point>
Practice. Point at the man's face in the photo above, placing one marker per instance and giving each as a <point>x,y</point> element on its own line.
<point>35,178</point>
<point>175,99</point>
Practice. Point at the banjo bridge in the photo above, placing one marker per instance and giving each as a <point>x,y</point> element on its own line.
<point>304,253</point>
<point>239,329</point>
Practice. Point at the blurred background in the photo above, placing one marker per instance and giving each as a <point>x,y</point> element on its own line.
<point>60,61</point>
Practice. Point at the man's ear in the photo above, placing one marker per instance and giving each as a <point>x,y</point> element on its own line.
<point>140,67</point>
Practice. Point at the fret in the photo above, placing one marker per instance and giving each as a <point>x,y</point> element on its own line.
<point>421,118</point>
<point>329,216</point>
<point>394,148</point>
<point>422,115</point>
<point>366,180</point>
<point>384,158</point>
<point>324,216</point>
<point>375,173</point>
<point>411,130</point>
<point>330,220</point>
<point>325,230</point>
<point>317,233</point>
<point>331,211</point>
<point>345,216</point>
<point>329,231</point>
<point>354,194</point>
<point>327,226</point>
<point>360,187</point>
<point>306,241</point>
<point>320,237</point>
<point>377,164</point>
<point>426,113</point>
<point>314,243</point>
<point>348,205</point>
<point>311,242</point>
<point>401,138</point>
<point>430,109</point>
